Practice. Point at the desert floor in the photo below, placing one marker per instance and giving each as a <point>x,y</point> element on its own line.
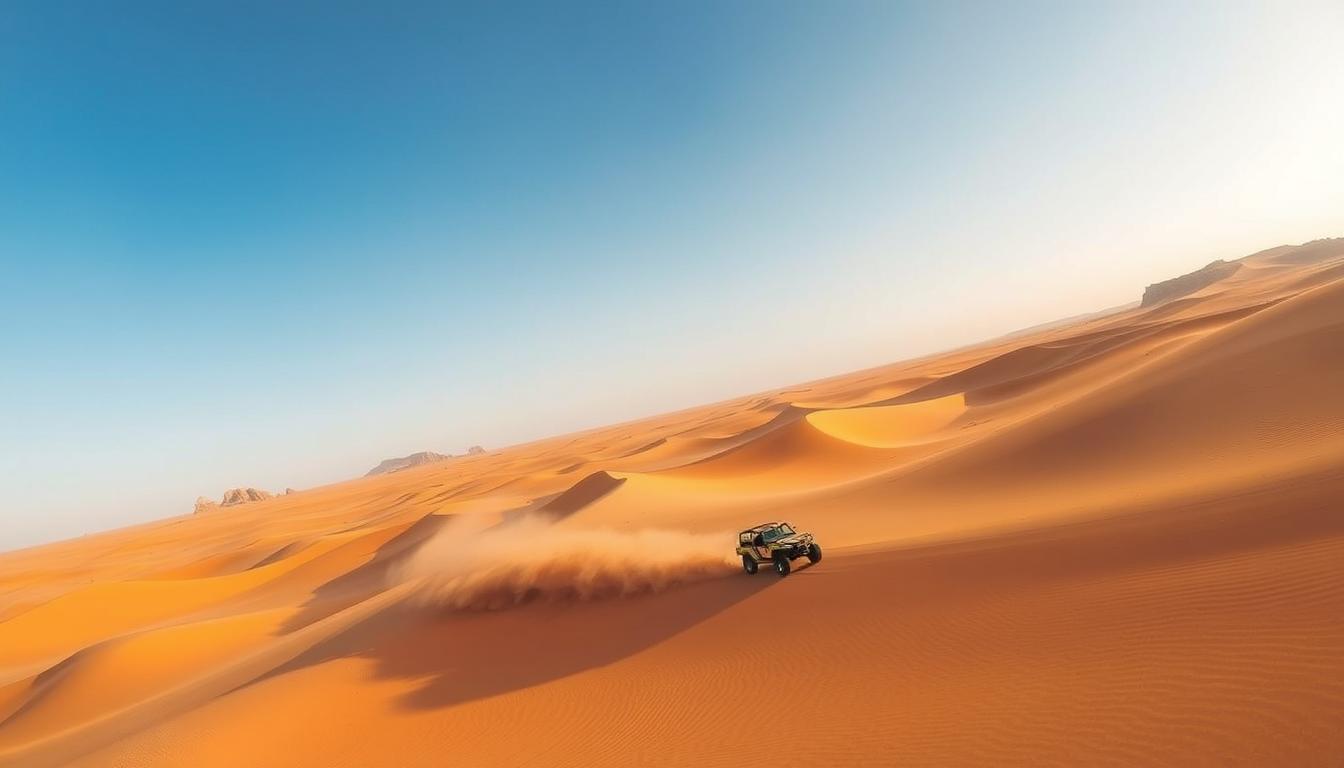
<point>1117,541</point>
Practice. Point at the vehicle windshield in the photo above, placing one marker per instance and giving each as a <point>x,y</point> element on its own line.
<point>778,532</point>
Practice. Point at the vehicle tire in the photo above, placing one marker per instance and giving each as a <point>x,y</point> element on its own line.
<point>782,565</point>
<point>813,553</point>
<point>748,565</point>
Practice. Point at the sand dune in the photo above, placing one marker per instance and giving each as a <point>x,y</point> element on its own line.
<point>582,493</point>
<point>1110,541</point>
<point>891,426</point>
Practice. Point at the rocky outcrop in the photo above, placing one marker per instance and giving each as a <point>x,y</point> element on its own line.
<point>1157,293</point>
<point>406,462</point>
<point>416,459</point>
<point>1312,252</point>
<point>232,498</point>
<point>235,496</point>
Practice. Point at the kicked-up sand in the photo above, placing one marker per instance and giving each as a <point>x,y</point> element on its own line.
<point>1116,541</point>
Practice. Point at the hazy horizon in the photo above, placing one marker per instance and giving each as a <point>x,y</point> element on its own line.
<point>275,250</point>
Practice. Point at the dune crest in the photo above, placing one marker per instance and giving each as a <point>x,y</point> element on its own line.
<point>890,426</point>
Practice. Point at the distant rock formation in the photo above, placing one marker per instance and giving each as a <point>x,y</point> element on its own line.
<point>475,450</point>
<point>232,498</point>
<point>1165,291</point>
<point>406,462</point>
<point>1312,252</point>
<point>243,495</point>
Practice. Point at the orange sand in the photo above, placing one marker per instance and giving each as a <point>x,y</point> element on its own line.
<point>1113,542</point>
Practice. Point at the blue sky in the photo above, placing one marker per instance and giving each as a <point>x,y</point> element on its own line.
<point>271,244</point>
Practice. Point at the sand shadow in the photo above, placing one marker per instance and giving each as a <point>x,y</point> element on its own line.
<point>374,576</point>
<point>461,656</point>
<point>368,579</point>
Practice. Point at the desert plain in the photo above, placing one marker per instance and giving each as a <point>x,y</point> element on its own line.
<point>1117,540</point>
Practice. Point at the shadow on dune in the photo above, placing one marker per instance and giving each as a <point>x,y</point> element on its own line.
<point>368,579</point>
<point>372,577</point>
<point>461,656</point>
<point>588,490</point>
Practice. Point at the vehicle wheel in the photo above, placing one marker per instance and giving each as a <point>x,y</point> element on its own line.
<point>748,565</point>
<point>782,565</point>
<point>814,553</point>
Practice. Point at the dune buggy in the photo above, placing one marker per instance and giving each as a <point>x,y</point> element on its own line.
<point>776,543</point>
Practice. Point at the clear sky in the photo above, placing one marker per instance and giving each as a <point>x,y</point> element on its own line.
<point>270,244</point>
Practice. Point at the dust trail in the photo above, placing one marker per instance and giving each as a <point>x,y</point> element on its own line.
<point>532,559</point>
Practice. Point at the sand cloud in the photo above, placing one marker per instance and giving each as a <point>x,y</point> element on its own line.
<point>533,559</point>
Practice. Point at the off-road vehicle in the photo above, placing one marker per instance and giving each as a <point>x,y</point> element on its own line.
<point>776,543</point>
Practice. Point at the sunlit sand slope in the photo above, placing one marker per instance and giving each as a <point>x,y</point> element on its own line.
<point>1116,541</point>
